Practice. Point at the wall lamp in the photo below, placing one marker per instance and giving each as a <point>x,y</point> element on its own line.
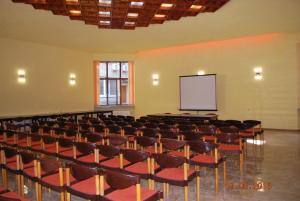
<point>155,79</point>
<point>72,80</point>
<point>21,76</point>
<point>258,73</point>
<point>201,72</point>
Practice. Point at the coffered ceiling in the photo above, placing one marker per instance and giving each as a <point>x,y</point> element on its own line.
<point>125,14</point>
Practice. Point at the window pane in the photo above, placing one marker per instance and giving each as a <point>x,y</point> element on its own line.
<point>103,94</point>
<point>124,70</point>
<point>124,92</point>
<point>102,70</point>
<point>113,69</point>
<point>112,92</point>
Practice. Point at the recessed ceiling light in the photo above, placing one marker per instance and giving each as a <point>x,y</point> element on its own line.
<point>75,12</point>
<point>132,15</point>
<point>129,23</point>
<point>72,1</point>
<point>104,13</point>
<point>196,7</point>
<point>166,5</point>
<point>105,2</point>
<point>159,15</point>
<point>104,22</point>
<point>137,3</point>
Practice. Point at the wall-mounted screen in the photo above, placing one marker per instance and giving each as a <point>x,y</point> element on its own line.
<point>198,92</point>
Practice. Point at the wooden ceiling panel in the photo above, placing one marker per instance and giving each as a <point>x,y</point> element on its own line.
<point>125,14</point>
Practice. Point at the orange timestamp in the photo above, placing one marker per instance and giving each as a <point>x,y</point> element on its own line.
<point>259,185</point>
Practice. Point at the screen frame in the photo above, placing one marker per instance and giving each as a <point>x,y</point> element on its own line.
<point>216,106</point>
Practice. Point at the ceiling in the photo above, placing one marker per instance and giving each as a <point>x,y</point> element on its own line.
<point>235,19</point>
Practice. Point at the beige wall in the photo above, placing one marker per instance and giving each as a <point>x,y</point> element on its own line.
<point>47,70</point>
<point>272,100</point>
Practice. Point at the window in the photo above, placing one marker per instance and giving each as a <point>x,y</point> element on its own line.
<point>114,83</point>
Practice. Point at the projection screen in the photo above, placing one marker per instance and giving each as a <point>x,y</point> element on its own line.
<point>198,92</point>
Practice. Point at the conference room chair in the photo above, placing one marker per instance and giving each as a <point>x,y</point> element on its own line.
<point>173,147</point>
<point>231,143</point>
<point>169,133</point>
<point>93,138</point>
<point>89,153</point>
<point>71,133</point>
<point>10,163</point>
<point>110,157</point>
<point>150,132</point>
<point>205,154</point>
<point>28,170</point>
<point>10,138</point>
<point>256,127</point>
<point>58,132</point>
<point>113,129</point>
<point>35,142</point>
<point>172,172</point>
<point>51,175</point>
<point>147,144</point>
<point>140,164</point>
<point>117,140</point>
<point>49,145</point>
<point>86,182</point>
<point>127,188</point>
<point>209,132</point>
<point>65,149</point>
<point>99,129</point>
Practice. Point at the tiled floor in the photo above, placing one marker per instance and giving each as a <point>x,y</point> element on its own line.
<point>277,166</point>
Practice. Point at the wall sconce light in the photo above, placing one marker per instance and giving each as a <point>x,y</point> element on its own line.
<point>201,72</point>
<point>155,79</point>
<point>72,80</point>
<point>21,76</point>
<point>258,73</point>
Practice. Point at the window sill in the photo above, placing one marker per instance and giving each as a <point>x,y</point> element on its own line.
<point>114,107</point>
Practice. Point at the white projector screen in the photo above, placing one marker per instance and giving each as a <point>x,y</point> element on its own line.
<point>198,92</point>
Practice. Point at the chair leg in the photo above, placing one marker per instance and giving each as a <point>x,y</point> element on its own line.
<point>62,196</point>
<point>18,181</point>
<point>4,178</point>
<point>37,191</point>
<point>225,175</point>
<point>68,196</point>
<point>216,179</point>
<point>186,193</point>
<point>241,164</point>
<point>40,192</point>
<point>22,185</point>
<point>165,190</point>
<point>198,187</point>
<point>149,184</point>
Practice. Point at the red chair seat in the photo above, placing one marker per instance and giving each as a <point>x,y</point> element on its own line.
<point>14,196</point>
<point>11,159</point>
<point>22,144</point>
<point>88,186</point>
<point>68,153</point>
<point>139,168</point>
<point>150,150</point>
<point>50,148</point>
<point>53,179</point>
<point>229,147</point>
<point>129,194</point>
<point>89,158</point>
<point>113,163</point>
<point>12,165</point>
<point>175,174</point>
<point>176,153</point>
<point>200,158</point>
<point>2,189</point>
